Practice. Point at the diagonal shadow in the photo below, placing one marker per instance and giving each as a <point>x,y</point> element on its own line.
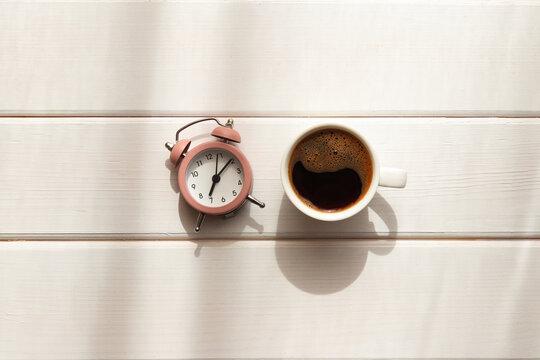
<point>136,29</point>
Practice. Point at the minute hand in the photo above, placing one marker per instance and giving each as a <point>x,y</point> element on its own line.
<point>223,168</point>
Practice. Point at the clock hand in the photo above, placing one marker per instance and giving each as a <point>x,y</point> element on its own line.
<point>216,178</point>
<point>213,186</point>
<point>223,168</point>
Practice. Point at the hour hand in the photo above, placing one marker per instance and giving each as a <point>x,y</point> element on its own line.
<point>213,186</point>
<point>215,180</point>
<point>215,177</point>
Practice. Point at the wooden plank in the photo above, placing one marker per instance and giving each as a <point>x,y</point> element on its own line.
<point>271,58</point>
<point>110,178</point>
<point>253,299</point>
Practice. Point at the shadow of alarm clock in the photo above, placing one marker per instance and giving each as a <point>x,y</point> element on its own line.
<point>215,178</point>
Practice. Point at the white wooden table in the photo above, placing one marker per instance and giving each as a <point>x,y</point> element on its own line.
<point>446,268</point>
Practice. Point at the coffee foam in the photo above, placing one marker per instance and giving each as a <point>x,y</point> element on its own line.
<point>330,150</point>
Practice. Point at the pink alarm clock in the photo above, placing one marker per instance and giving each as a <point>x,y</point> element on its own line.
<point>215,177</point>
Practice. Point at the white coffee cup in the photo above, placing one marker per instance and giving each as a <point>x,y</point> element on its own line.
<point>382,176</point>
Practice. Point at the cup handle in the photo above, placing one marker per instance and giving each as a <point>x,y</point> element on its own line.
<point>392,177</point>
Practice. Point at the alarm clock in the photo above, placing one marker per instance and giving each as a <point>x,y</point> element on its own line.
<point>214,177</point>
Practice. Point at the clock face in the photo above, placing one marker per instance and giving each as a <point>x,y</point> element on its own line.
<point>214,177</point>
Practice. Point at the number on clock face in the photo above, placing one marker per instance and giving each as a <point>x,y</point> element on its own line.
<point>214,177</point>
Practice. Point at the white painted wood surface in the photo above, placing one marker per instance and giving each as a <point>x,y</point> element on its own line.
<point>271,58</point>
<point>73,178</point>
<point>266,299</point>
<point>86,177</point>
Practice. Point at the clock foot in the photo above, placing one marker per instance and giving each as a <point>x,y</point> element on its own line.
<point>200,219</point>
<point>255,201</point>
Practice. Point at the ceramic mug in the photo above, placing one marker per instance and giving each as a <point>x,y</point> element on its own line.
<point>381,176</point>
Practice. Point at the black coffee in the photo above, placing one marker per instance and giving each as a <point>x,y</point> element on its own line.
<point>330,170</point>
<point>327,190</point>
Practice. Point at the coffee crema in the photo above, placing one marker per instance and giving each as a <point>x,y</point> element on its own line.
<point>330,169</point>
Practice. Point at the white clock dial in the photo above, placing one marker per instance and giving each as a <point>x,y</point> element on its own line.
<point>214,177</point>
